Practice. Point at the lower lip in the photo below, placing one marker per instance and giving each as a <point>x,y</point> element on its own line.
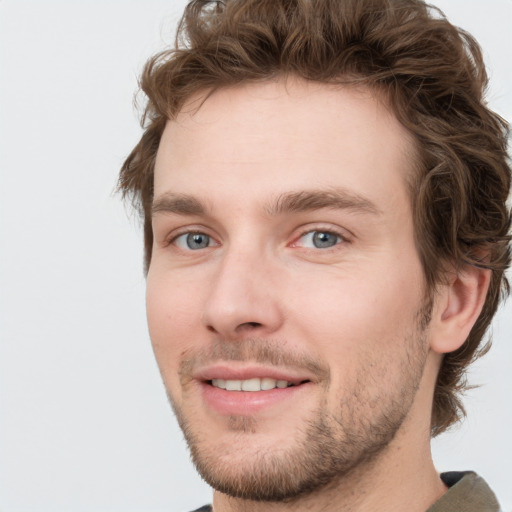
<point>246,402</point>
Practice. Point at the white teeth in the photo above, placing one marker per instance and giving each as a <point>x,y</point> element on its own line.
<point>255,384</point>
<point>251,385</point>
<point>233,385</point>
<point>267,383</point>
<point>219,383</point>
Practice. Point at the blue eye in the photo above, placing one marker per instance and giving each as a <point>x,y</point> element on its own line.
<point>320,239</point>
<point>193,241</point>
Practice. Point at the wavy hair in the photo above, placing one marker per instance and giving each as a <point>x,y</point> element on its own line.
<point>433,77</point>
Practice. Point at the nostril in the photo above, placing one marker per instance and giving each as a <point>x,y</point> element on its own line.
<point>241,327</point>
<point>251,324</point>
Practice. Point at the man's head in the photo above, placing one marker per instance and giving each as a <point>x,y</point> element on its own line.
<point>328,188</point>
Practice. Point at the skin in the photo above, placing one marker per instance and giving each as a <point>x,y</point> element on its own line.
<point>258,171</point>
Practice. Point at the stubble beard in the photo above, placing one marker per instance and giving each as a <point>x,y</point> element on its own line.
<point>327,450</point>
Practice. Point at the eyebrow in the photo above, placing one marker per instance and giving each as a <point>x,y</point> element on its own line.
<point>290,202</point>
<point>307,200</point>
<point>179,204</point>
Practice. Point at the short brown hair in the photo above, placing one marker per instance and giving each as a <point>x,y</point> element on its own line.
<point>433,77</point>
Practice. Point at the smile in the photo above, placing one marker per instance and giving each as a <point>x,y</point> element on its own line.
<point>251,395</point>
<point>254,384</point>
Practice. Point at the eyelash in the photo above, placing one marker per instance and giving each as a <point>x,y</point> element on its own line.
<point>342,238</point>
<point>171,240</point>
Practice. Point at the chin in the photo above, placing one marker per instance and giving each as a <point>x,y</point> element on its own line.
<point>252,465</point>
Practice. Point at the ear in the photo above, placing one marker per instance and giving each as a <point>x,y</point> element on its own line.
<point>456,308</point>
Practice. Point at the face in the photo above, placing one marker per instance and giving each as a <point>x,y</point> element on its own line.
<point>285,297</point>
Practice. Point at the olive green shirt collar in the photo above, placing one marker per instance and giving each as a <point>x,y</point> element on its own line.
<point>467,493</point>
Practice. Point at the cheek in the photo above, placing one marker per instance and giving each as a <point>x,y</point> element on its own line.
<point>172,316</point>
<point>171,302</point>
<point>367,311</point>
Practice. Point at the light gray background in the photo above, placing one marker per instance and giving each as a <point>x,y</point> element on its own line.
<point>84,422</point>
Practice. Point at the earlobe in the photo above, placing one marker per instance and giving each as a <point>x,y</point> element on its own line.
<point>457,307</point>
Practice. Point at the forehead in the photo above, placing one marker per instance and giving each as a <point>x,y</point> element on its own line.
<point>284,134</point>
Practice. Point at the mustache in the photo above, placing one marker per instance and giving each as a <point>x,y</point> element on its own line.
<point>269,352</point>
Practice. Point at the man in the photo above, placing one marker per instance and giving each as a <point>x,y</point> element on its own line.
<point>326,233</point>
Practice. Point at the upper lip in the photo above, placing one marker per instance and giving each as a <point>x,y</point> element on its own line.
<point>234,371</point>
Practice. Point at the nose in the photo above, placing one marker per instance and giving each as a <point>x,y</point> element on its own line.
<point>243,298</point>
